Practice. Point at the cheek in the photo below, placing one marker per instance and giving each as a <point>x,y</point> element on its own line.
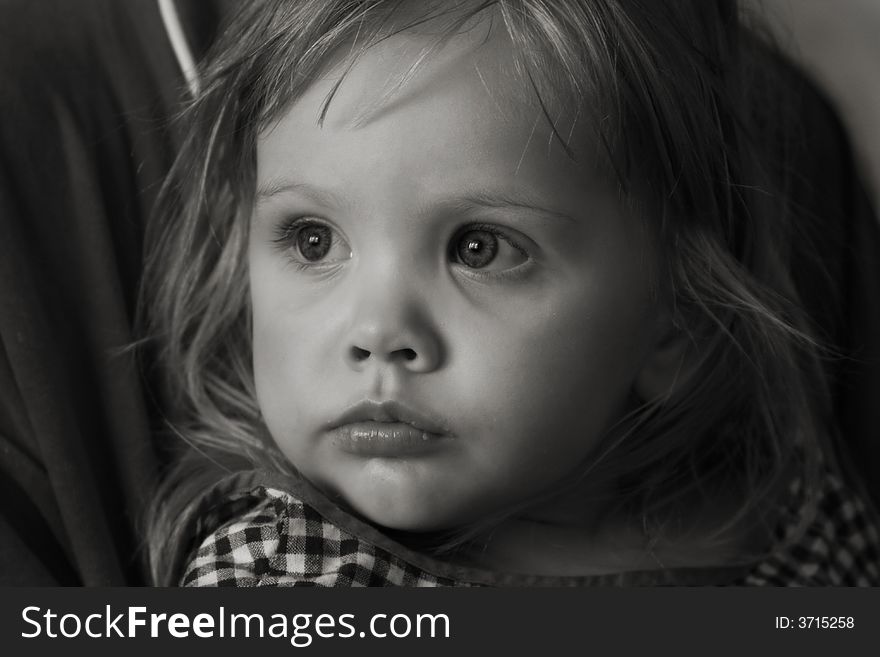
<point>282,344</point>
<point>272,370</point>
<point>558,373</point>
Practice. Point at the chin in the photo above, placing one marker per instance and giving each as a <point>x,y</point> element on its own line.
<point>404,520</point>
<point>406,516</point>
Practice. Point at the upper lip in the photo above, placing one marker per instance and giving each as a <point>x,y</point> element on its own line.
<point>391,411</point>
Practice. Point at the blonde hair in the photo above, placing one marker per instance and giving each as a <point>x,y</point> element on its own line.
<point>692,116</point>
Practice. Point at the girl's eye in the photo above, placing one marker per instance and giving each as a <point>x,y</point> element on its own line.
<point>310,242</point>
<point>314,242</point>
<point>486,248</point>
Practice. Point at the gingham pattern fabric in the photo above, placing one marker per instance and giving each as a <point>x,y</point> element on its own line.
<point>841,547</point>
<point>281,541</point>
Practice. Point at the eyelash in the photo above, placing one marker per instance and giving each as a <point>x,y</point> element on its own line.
<point>495,230</point>
<point>286,231</point>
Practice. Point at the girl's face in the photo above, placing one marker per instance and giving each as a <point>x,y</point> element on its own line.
<point>448,311</point>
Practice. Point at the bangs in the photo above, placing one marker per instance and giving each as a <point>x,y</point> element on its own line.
<point>633,74</point>
<point>558,61</point>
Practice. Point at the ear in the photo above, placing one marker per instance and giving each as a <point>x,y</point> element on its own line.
<point>671,364</point>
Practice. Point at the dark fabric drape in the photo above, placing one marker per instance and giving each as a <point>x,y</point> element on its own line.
<point>841,291</point>
<point>86,91</point>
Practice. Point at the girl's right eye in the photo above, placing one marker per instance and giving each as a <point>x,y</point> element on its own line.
<point>310,242</point>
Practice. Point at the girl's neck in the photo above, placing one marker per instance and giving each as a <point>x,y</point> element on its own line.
<point>538,548</point>
<point>554,543</point>
<point>567,534</point>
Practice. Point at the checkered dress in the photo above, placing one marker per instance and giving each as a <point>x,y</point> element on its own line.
<point>275,538</point>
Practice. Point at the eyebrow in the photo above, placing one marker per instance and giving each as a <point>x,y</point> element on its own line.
<point>499,200</point>
<point>469,201</point>
<point>277,187</point>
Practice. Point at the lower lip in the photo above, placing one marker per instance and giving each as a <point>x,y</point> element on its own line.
<point>390,439</point>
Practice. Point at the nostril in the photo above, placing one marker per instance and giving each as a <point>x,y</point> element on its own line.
<point>359,355</point>
<point>406,354</point>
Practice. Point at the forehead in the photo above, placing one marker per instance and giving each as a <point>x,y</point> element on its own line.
<point>456,108</point>
<point>477,64</point>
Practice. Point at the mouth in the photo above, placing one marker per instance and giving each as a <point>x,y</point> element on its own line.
<point>389,429</point>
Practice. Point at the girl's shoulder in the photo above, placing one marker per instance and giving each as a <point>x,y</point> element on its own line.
<point>279,531</point>
<point>275,535</point>
<point>271,531</point>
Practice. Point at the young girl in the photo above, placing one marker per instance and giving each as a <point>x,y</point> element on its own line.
<point>498,293</point>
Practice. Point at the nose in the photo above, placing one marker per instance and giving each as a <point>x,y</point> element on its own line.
<point>391,326</point>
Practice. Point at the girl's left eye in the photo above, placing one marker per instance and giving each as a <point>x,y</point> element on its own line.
<point>487,249</point>
<point>310,242</point>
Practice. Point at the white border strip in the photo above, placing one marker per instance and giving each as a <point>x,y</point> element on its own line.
<point>182,52</point>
